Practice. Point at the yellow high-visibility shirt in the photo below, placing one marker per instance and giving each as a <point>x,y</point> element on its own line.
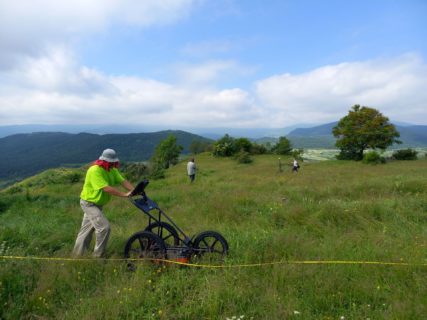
<point>96,179</point>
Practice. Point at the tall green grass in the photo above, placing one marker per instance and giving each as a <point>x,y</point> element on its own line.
<point>333,210</point>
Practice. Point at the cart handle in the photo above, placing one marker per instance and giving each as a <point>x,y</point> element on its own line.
<point>140,188</point>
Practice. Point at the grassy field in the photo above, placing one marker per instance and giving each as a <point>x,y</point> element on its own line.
<point>330,210</point>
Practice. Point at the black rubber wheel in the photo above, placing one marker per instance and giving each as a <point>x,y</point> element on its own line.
<point>210,243</point>
<point>145,245</point>
<point>165,231</point>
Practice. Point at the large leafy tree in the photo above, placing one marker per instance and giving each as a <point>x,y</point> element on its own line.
<point>167,153</point>
<point>363,128</point>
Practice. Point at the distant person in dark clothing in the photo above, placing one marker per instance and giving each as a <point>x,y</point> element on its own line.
<point>191,169</point>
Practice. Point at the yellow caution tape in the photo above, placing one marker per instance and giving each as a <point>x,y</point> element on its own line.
<point>324,262</point>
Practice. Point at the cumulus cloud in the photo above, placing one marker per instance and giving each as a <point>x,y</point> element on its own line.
<point>397,87</point>
<point>28,27</point>
<point>56,89</point>
<point>42,81</point>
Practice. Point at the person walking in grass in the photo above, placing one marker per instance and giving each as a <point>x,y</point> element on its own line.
<point>191,169</point>
<point>99,187</point>
<point>295,166</point>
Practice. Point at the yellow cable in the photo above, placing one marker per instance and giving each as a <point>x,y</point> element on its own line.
<point>348,262</point>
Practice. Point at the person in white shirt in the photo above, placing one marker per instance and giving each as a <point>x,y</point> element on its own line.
<point>295,166</point>
<point>191,169</point>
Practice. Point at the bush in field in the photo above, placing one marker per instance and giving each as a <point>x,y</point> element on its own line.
<point>243,157</point>
<point>73,177</point>
<point>258,149</point>
<point>157,172</point>
<point>283,147</point>
<point>373,157</point>
<point>297,154</point>
<point>198,146</point>
<point>228,146</point>
<point>3,205</point>
<point>225,147</point>
<point>134,171</point>
<point>243,144</point>
<point>405,154</point>
<point>14,189</point>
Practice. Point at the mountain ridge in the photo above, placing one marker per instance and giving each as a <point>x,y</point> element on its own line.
<point>28,153</point>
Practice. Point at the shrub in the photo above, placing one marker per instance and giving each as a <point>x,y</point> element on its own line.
<point>373,157</point>
<point>405,154</point>
<point>258,149</point>
<point>198,146</point>
<point>157,172</point>
<point>14,189</point>
<point>243,157</point>
<point>243,144</point>
<point>225,147</point>
<point>134,171</point>
<point>297,154</point>
<point>73,177</point>
<point>4,205</point>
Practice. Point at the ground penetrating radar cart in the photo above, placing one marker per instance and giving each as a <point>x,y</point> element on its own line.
<point>163,239</point>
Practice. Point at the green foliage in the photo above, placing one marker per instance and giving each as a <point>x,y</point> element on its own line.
<point>258,149</point>
<point>167,153</point>
<point>243,157</point>
<point>134,171</point>
<point>157,172</point>
<point>297,154</point>
<point>243,144</point>
<point>361,129</point>
<point>199,146</point>
<point>283,146</point>
<point>225,147</point>
<point>14,189</point>
<point>405,154</point>
<point>373,157</point>
<point>4,205</point>
<point>27,154</point>
<point>51,177</point>
<point>228,146</point>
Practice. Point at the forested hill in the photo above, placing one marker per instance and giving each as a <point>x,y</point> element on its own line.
<point>321,136</point>
<point>26,154</point>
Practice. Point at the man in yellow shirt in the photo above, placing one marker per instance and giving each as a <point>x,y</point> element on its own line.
<point>99,186</point>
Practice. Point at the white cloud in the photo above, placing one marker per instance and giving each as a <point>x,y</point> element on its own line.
<point>397,87</point>
<point>27,27</point>
<point>205,73</point>
<point>57,89</point>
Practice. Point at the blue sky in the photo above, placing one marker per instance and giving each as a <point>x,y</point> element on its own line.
<point>199,63</point>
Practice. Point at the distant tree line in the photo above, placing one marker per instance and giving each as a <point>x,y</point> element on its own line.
<point>243,148</point>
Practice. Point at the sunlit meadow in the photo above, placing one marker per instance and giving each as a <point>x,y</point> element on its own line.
<point>329,211</point>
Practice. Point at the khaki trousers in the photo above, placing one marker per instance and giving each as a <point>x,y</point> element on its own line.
<point>93,220</point>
